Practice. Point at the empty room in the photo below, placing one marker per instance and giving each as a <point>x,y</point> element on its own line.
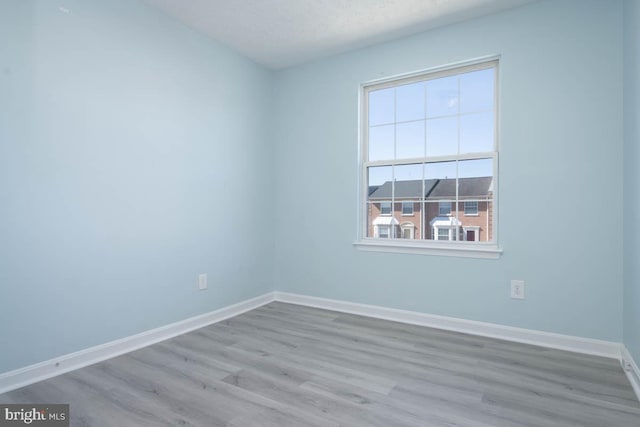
<point>320,213</point>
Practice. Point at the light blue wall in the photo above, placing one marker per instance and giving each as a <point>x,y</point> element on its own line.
<point>134,155</point>
<point>560,175</point>
<point>632,177</point>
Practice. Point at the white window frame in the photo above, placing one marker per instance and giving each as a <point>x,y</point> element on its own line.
<point>409,203</point>
<point>429,247</point>
<point>464,207</point>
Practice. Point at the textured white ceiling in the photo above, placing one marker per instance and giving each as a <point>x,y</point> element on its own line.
<point>281,33</point>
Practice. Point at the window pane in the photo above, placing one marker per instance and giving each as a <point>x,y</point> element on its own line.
<point>381,105</point>
<point>476,133</point>
<point>431,216</point>
<point>440,170</point>
<point>410,140</point>
<point>407,208</point>
<point>444,208</point>
<point>477,91</point>
<point>471,207</point>
<point>485,233</point>
<point>378,176</point>
<point>478,227</point>
<point>442,136</point>
<point>408,188</point>
<point>441,196</point>
<point>442,96</point>
<point>441,216</point>
<point>475,187</point>
<point>378,198</point>
<point>410,102</point>
<point>407,173</point>
<point>381,140</point>
<point>475,168</point>
<point>442,177</point>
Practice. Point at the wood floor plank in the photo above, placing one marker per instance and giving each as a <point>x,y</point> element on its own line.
<point>287,365</point>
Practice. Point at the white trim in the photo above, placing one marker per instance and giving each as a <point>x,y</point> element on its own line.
<point>457,248</point>
<point>431,159</point>
<point>527,336</point>
<point>446,67</point>
<point>630,368</point>
<point>41,371</point>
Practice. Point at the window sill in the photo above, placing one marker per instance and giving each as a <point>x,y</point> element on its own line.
<point>486,251</point>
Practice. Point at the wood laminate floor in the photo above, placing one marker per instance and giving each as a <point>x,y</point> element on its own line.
<point>287,365</point>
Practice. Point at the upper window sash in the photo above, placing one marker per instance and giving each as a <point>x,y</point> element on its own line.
<point>429,76</point>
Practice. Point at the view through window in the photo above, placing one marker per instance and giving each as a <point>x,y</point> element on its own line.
<point>430,156</point>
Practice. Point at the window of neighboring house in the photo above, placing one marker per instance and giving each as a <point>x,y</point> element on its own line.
<point>383,231</point>
<point>443,233</point>
<point>444,208</point>
<point>471,207</point>
<point>385,208</point>
<point>431,137</point>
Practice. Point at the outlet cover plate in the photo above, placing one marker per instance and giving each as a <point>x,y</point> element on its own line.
<point>517,289</point>
<point>202,281</point>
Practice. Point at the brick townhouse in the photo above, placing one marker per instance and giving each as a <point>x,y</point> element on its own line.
<point>428,210</point>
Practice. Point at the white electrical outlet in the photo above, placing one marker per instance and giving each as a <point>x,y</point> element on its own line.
<point>517,289</point>
<point>202,281</point>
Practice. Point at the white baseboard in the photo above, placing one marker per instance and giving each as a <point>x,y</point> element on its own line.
<point>631,369</point>
<point>527,336</point>
<point>41,371</point>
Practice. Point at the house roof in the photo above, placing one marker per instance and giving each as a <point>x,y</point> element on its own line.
<point>467,187</point>
<point>445,221</point>
<point>385,220</point>
<point>404,189</point>
<point>433,188</point>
